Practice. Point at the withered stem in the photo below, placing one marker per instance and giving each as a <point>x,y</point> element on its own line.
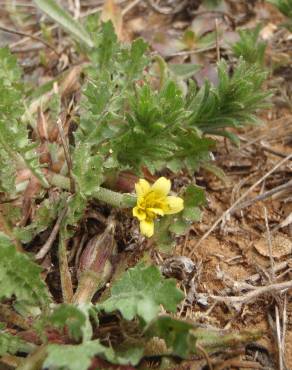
<point>66,282</point>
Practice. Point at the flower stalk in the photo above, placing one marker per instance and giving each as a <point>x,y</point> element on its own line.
<point>111,197</point>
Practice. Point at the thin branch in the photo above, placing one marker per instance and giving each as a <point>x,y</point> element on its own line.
<point>270,245</point>
<point>67,154</point>
<point>48,244</point>
<point>77,9</point>
<point>216,12</point>
<point>255,293</point>
<point>174,11</point>
<point>284,320</point>
<point>279,336</point>
<point>264,196</point>
<point>130,7</point>
<point>31,36</point>
<point>217,40</point>
<point>190,52</point>
<point>268,149</point>
<point>51,28</point>
<point>278,267</point>
<point>205,355</point>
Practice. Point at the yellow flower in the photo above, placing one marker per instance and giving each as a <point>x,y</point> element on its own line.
<point>153,201</point>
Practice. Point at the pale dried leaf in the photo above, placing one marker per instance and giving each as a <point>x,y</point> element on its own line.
<point>281,246</point>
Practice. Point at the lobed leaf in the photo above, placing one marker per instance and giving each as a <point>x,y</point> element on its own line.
<point>140,292</point>
<point>79,357</point>
<point>11,344</point>
<point>19,276</point>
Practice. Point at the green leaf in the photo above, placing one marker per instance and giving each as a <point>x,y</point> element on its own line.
<point>162,237</point>
<point>59,15</point>
<point>233,103</point>
<point>140,292</point>
<point>12,344</point>
<point>79,357</point>
<point>194,196</point>
<point>7,173</point>
<point>182,337</point>
<point>15,146</point>
<point>137,59</point>
<point>74,319</point>
<point>285,6</point>
<point>76,208</point>
<point>192,214</point>
<point>179,226</point>
<point>176,333</point>
<point>215,170</point>
<point>186,70</point>
<point>87,169</point>
<point>19,276</point>
<point>249,47</point>
<point>73,357</point>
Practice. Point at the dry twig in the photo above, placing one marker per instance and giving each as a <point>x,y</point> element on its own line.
<point>264,195</point>
<point>246,298</point>
<point>67,154</point>
<point>48,244</point>
<point>270,245</point>
<point>66,281</point>
<point>29,36</point>
<point>130,7</point>
<point>181,5</point>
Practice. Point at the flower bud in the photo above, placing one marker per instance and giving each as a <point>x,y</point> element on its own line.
<point>95,268</point>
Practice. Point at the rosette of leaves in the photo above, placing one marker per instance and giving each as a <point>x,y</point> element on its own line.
<point>250,47</point>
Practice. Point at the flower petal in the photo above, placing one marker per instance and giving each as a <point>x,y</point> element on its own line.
<point>175,205</point>
<point>139,213</point>
<point>161,187</point>
<point>142,187</point>
<point>147,228</point>
<point>157,211</point>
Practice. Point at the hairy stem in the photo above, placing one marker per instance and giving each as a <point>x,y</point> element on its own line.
<point>115,199</point>
<point>105,195</point>
<point>66,282</point>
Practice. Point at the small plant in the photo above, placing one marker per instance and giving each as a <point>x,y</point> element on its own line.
<point>285,7</point>
<point>125,125</point>
<point>249,47</point>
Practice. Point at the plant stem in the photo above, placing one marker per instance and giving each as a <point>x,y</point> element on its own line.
<point>59,181</point>
<point>35,361</point>
<point>66,282</point>
<point>13,318</point>
<point>10,361</point>
<point>115,199</point>
<point>105,195</point>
